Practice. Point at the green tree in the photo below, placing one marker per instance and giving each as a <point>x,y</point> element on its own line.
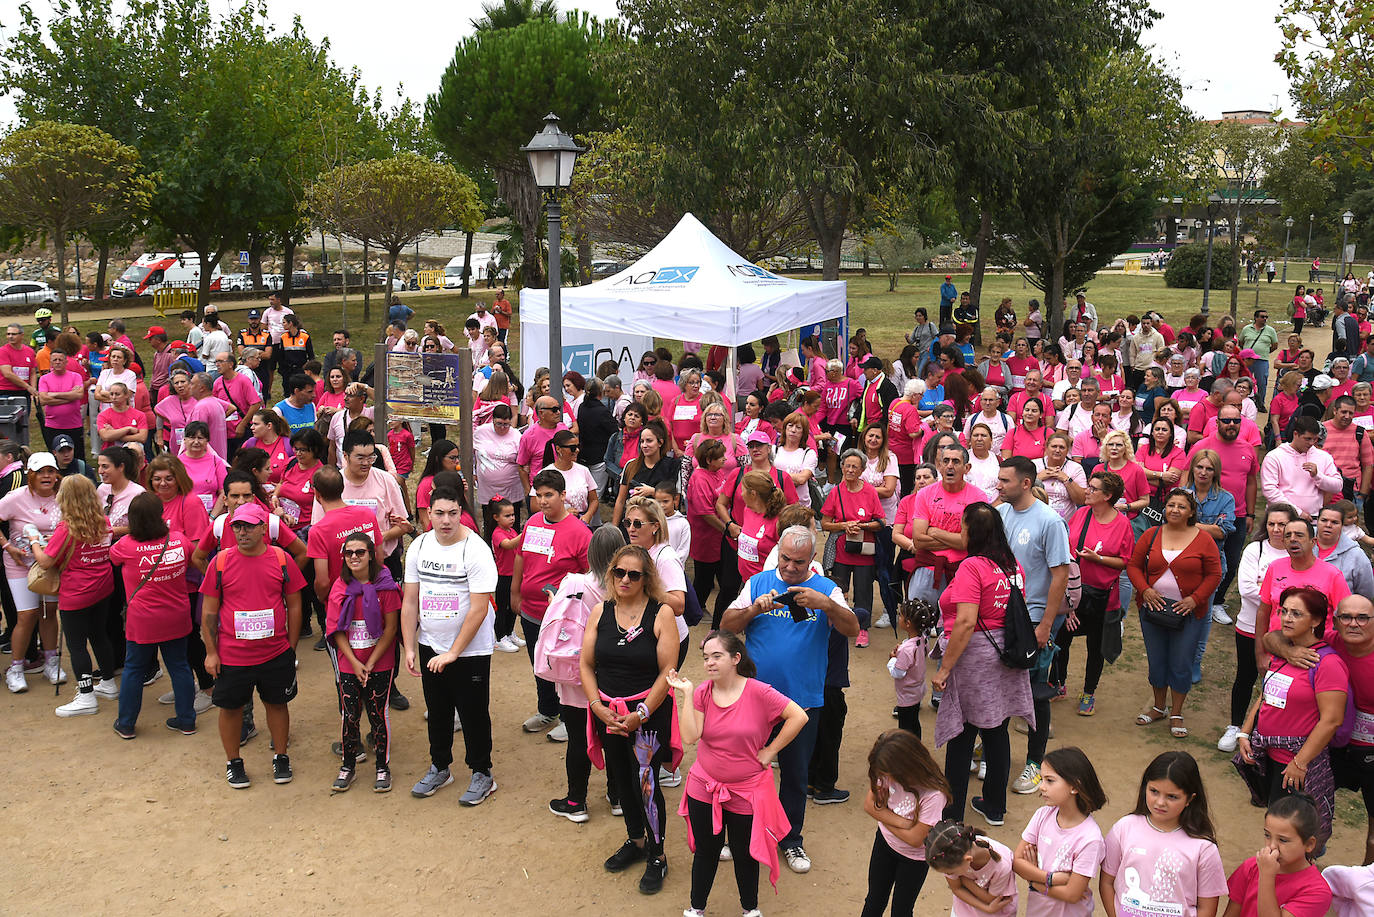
<point>1328,55</point>
<point>1239,157</point>
<point>493,97</point>
<point>508,14</point>
<point>57,179</point>
<point>393,202</point>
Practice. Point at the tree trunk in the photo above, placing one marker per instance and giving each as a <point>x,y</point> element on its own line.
<point>516,187</point>
<point>1055,299</point>
<point>467,264</point>
<point>981,244</point>
<point>289,268</point>
<point>101,270</point>
<point>392,256</point>
<point>367,290</point>
<point>868,270</point>
<point>207,268</point>
<point>60,240</point>
<point>1235,255</point>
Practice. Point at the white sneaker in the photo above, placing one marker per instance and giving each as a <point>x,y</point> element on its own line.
<point>982,770</point>
<point>457,722</point>
<point>52,671</point>
<point>1219,615</point>
<point>15,680</point>
<point>882,622</point>
<point>1227,742</point>
<point>152,676</point>
<point>169,698</point>
<point>83,705</point>
<point>203,702</point>
<point>669,778</point>
<point>507,645</point>
<point>1028,781</point>
<point>519,640</point>
<point>725,854</point>
<point>108,687</point>
<point>558,733</point>
<point>796,859</point>
<point>538,723</point>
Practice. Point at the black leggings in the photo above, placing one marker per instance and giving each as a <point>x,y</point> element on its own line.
<point>1090,625</point>
<point>575,760</point>
<point>705,861</point>
<point>728,583</point>
<point>1297,325</point>
<point>85,625</point>
<point>505,617</point>
<point>355,697</point>
<point>863,578</point>
<point>637,788</point>
<point>706,574</point>
<point>958,757</point>
<point>891,873</point>
<point>1247,673</point>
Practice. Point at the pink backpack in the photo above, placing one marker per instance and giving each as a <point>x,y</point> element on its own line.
<point>558,651</point>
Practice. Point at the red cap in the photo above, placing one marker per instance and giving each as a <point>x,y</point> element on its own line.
<point>949,276</point>
<point>180,345</point>
<point>156,329</point>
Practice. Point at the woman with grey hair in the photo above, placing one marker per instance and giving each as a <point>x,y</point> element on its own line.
<point>683,413</point>
<point>854,512</point>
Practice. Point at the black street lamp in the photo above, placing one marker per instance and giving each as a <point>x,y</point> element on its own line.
<point>552,154</point>
<point>1311,217</point>
<point>1286,237</point>
<point>1346,219</point>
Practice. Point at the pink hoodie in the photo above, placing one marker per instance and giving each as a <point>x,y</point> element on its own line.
<point>1284,480</point>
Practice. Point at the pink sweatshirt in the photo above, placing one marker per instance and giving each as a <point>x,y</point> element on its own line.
<point>1284,480</point>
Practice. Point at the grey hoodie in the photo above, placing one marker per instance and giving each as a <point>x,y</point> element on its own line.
<point>1354,566</point>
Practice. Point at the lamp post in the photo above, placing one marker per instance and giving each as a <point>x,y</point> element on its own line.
<point>1311,218</point>
<point>1346,219</point>
<point>1286,236</point>
<point>552,154</point>
<point>1207,275</point>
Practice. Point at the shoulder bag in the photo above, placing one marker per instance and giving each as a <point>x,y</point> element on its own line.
<point>44,581</point>
<point>1164,617</point>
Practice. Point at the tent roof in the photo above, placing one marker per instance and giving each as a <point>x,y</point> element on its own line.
<point>692,287</point>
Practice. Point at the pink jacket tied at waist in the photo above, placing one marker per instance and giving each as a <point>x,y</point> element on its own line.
<point>770,822</point>
<point>621,706</point>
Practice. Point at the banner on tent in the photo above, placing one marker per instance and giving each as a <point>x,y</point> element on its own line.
<point>583,350</point>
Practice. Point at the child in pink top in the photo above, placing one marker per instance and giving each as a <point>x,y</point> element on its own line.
<point>1281,873</point>
<point>1163,858</point>
<point>1062,846</point>
<point>505,540</point>
<point>907,792</point>
<point>1352,890</point>
<point>908,670</point>
<point>977,868</point>
<point>400,442</point>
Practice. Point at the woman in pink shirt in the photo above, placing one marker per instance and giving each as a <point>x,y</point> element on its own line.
<point>715,424</point>
<point>271,434</point>
<point>205,468</point>
<point>33,504</point>
<point>332,389</point>
<point>707,536</point>
<point>854,510</point>
<point>1027,437</point>
<point>763,500</point>
<point>730,793</point>
<point>682,409</point>
<point>1162,460</point>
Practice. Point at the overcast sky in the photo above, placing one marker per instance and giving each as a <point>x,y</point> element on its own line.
<point>1222,49</point>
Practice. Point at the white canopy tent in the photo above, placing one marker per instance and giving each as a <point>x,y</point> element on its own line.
<point>692,287</point>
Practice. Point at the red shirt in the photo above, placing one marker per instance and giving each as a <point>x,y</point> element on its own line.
<point>551,550</point>
<point>160,609</point>
<point>87,577</point>
<point>296,492</point>
<point>327,536</point>
<point>401,444</point>
<point>252,613</point>
<point>843,505</point>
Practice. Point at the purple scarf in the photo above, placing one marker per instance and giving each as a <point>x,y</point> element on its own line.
<point>355,592</point>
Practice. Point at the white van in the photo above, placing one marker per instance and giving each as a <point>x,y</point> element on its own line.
<point>453,271</point>
<point>155,270</point>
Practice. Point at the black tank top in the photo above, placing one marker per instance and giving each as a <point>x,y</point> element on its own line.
<point>626,667</point>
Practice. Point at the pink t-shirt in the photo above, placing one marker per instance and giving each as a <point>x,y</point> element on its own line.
<point>551,550</point>
<point>1030,443</point>
<point>1280,575</point>
<point>1134,483</point>
<point>683,416</point>
<point>117,504</point>
<point>177,414</point>
<point>1302,894</point>
<point>924,809</point>
<point>505,557</point>
<point>943,510</point>
<point>1361,670</point>
<point>1175,458</point>
<point>21,360</point>
<point>530,454</point>
<point>328,534</point>
<point>1352,890</point>
<point>279,454</point>
<point>758,534</point>
<point>19,508</point>
<point>252,612</point>
<point>903,422</point>
<point>996,878</point>
<point>296,494</point>
<point>111,419</point>
<point>731,738</point>
<point>498,464</point>
<point>160,609</point>
<point>837,396</point>
<point>1238,465</point>
<point>1017,367</point>
<point>1288,704</point>
<point>911,660</point>
<point>702,488</point>
<point>667,392</point>
<point>378,492</point>
<point>1116,539</point>
<point>845,506</point>
<point>1160,874</point>
<point>62,416</point>
<point>87,577</point>
<point>360,640</point>
<point>979,581</point>
<point>210,410</point>
<point>239,392</point>
<point>186,515</point>
<point>1078,850</point>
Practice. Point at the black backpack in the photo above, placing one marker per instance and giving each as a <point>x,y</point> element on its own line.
<point>1020,649</point>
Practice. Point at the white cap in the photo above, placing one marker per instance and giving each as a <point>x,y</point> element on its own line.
<point>1323,381</point>
<point>40,460</point>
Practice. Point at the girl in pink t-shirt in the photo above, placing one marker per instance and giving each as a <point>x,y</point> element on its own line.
<point>1282,870</point>
<point>906,793</point>
<point>1062,846</point>
<point>1163,857</point>
<point>977,868</point>
<point>505,542</point>
<point>908,667</point>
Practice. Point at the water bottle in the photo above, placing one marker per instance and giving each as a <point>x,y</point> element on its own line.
<point>33,535</point>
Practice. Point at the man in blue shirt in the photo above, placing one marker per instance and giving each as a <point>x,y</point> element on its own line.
<point>789,649</point>
<point>1040,540</point>
<point>947,293</point>
<point>298,407</point>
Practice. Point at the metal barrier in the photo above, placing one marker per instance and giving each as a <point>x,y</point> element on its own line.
<point>430,280</point>
<point>1132,266</point>
<point>177,299</point>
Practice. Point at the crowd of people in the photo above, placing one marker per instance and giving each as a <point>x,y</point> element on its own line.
<point>973,499</point>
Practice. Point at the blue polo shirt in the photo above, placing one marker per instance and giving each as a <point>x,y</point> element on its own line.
<point>790,655</point>
<point>297,418</point>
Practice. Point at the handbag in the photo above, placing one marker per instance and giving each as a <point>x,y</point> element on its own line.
<point>1020,649</point>
<point>1164,617</point>
<point>1154,512</point>
<point>44,581</point>
<point>860,545</point>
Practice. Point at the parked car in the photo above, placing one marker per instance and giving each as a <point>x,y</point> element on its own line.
<point>607,268</point>
<point>236,282</point>
<point>378,279</point>
<point>26,291</point>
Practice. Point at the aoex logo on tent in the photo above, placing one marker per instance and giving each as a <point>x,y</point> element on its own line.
<point>664,276</point>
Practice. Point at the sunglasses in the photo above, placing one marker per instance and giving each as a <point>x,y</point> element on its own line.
<point>636,523</point>
<point>621,573</point>
<point>1229,422</point>
<point>547,409</point>
<point>355,552</point>
<point>571,447</point>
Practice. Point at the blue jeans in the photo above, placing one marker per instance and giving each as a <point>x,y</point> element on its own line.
<point>1261,370</point>
<point>794,762</point>
<point>1127,590</point>
<point>139,659</point>
<point>1170,653</point>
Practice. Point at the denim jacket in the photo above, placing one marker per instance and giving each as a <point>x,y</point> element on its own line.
<point>1218,509</point>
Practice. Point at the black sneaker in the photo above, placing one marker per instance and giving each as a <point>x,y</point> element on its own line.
<point>281,769</point>
<point>629,854</point>
<point>248,732</point>
<point>572,811</point>
<point>399,701</point>
<point>177,725</point>
<point>320,645</point>
<point>236,775</point>
<point>337,750</point>
<point>344,780</point>
<point>383,781</point>
<point>977,804</point>
<point>829,797</point>
<point>651,883</point>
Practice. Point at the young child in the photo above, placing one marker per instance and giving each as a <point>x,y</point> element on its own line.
<point>977,868</point>
<point>505,539</point>
<point>1163,857</point>
<point>1351,517</point>
<point>400,442</point>
<point>1352,890</point>
<point>1062,846</point>
<point>908,667</point>
<point>907,791</point>
<point>679,532</point>
<point>1281,873</point>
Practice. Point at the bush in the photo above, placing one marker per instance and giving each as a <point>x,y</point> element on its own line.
<point>1189,264</point>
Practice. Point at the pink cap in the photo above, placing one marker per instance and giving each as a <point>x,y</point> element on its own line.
<point>1248,354</point>
<point>251,513</point>
<point>758,436</point>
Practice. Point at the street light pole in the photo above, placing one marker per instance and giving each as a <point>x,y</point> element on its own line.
<point>1286,237</point>
<point>1346,219</point>
<point>1311,217</point>
<point>1207,275</point>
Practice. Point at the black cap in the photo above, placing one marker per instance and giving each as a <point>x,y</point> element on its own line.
<point>947,328</point>
<point>62,441</point>
<point>871,362</point>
